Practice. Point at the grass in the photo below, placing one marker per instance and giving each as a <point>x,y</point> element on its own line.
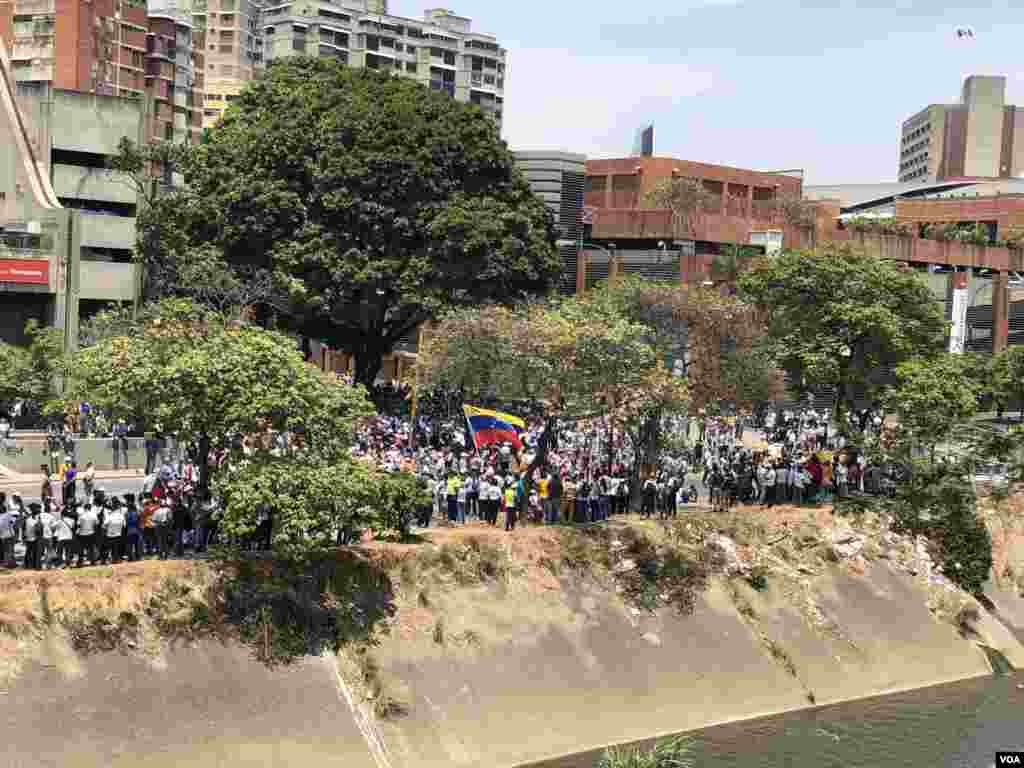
<point>667,753</point>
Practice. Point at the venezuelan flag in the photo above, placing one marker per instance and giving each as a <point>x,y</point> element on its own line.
<point>493,426</point>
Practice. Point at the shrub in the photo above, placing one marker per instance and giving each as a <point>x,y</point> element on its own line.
<point>667,753</point>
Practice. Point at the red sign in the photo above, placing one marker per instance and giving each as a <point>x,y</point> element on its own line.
<point>35,271</point>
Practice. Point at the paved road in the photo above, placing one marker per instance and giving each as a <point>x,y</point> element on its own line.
<point>30,491</point>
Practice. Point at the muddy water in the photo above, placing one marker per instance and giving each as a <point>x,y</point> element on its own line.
<point>960,725</point>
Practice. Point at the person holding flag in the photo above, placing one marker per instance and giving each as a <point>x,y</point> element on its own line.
<point>490,427</point>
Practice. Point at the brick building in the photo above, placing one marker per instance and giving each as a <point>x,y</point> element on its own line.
<point>110,48</point>
<point>741,209</point>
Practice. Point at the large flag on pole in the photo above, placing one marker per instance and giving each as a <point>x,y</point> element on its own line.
<point>489,427</point>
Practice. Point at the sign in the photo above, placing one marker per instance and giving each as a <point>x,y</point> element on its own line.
<point>959,331</point>
<point>33,271</point>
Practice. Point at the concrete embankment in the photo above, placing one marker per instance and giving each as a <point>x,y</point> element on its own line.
<point>205,706</point>
<point>495,650</point>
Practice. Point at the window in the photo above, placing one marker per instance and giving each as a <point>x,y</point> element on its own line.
<point>410,66</point>
<point>410,48</point>
<point>268,31</point>
<point>387,42</point>
<point>372,43</point>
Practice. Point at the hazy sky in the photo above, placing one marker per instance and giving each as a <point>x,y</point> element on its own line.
<point>816,84</point>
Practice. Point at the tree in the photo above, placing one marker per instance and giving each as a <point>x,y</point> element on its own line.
<point>214,383</point>
<point>374,203</point>
<point>686,198</point>
<point>1007,379</point>
<point>562,362</point>
<point>727,265</point>
<point>33,374</point>
<point>840,318</point>
<point>172,264</point>
<point>932,396</point>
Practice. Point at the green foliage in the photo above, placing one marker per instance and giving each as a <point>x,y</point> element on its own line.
<point>371,202</point>
<point>938,502</point>
<point>286,609</point>
<point>215,383</point>
<point>666,753</point>
<point>882,226</point>
<point>838,317</point>
<point>932,396</point>
<point>33,373</point>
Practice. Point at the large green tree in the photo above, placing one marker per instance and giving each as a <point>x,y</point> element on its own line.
<point>841,318</point>
<point>214,384</point>
<point>372,202</point>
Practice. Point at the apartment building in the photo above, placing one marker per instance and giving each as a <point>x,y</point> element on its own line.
<point>232,47</point>
<point>441,50</point>
<point>980,137</point>
<point>110,48</point>
<point>174,72</point>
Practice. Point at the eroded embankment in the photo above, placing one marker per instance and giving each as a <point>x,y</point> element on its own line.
<point>476,648</point>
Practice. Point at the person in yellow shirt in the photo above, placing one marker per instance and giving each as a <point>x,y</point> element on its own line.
<point>452,494</point>
<point>510,507</point>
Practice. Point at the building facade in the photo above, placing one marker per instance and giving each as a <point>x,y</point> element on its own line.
<point>558,179</point>
<point>229,35</point>
<point>67,225</point>
<point>111,48</point>
<point>174,72</point>
<point>980,137</point>
<point>441,50</point>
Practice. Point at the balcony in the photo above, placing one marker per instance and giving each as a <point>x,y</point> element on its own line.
<point>91,184</point>
<point>35,7</point>
<point>106,281</point>
<point>103,231</point>
<point>37,47</point>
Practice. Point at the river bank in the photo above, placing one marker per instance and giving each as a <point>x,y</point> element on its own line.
<point>480,648</point>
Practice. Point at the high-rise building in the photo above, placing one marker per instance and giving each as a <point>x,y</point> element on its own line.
<point>110,48</point>
<point>980,137</point>
<point>174,72</point>
<point>232,47</point>
<point>441,50</point>
<point>93,47</point>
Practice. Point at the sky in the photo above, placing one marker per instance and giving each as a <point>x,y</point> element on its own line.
<point>821,85</point>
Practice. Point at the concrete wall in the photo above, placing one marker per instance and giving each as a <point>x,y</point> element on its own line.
<point>89,123</point>
<point>985,98</point>
<point>101,231</point>
<point>91,184</point>
<point>107,281</point>
<point>99,451</point>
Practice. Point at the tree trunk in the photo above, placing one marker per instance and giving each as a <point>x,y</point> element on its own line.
<point>368,363</point>
<point>204,466</point>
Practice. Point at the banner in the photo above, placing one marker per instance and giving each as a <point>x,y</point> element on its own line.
<point>34,271</point>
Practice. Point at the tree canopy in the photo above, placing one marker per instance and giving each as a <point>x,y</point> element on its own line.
<point>233,388</point>
<point>371,202</point>
<point>841,318</point>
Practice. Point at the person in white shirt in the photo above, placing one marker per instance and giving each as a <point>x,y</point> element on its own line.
<point>32,535</point>
<point>47,545</point>
<point>8,521</point>
<point>64,535</point>
<point>113,533</point>
<point>88,524</point>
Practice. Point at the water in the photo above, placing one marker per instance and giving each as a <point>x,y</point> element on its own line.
<point>960,725</point>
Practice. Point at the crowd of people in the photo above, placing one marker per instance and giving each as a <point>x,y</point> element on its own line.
<point>76,523</point>
<point>589,475</point>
